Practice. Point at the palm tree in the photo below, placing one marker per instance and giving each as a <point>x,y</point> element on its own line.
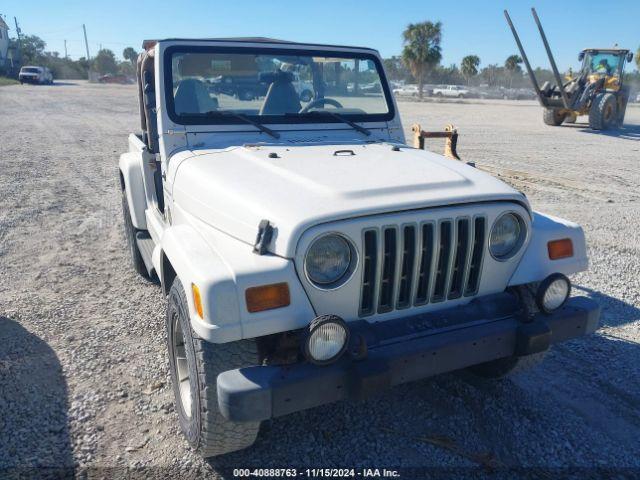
<point>512,65</point>
<point>469,66</point>
<point>421,49</point>
<point>130,54</point>
<point>638,58</point>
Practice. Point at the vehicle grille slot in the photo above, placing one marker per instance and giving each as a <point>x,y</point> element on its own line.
<point>389,253</point>
<point>460,258</point>
<point>475,266</point>
<point>426,257</point>
<point>444,256</point>
<point>414,264</point>
<point>407,266</point>
<point>370,263</point>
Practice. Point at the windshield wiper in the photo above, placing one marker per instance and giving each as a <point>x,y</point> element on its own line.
<point>244,118</point>
<point>337,116</point>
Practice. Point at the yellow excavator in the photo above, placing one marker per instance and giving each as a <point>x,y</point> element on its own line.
<point>597,90</point>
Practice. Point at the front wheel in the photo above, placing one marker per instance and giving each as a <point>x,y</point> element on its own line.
<point>603,112</point>
<point>195,365</point>
<point>553,117</point>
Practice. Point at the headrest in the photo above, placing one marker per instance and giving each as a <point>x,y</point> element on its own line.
<point>277,76</point>
<point>195,64</point>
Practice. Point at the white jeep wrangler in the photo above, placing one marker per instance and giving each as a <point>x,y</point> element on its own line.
<point>309,255</point>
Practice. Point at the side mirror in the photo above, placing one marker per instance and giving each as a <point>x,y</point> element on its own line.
<point>580,56</point>
<point>629,56</point>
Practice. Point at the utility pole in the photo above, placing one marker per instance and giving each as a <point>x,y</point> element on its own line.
<point>86,44</point>
<point>19,33</point>
<point>65,50</point>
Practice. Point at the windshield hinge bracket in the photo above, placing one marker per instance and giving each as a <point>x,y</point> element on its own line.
<point>263,239</point>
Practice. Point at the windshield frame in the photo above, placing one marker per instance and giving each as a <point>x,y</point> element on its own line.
<point>271,119</point>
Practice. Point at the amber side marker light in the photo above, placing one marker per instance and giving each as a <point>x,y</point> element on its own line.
<point>267,297</point>
<point>197,300</point>
<point>560,249</point>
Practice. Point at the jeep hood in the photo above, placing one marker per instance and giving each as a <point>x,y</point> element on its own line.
<point>297,187</point>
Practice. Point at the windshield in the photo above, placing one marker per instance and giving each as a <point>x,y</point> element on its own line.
<point>30,70</point>
<point>273,86</point>
<point>601,63</point>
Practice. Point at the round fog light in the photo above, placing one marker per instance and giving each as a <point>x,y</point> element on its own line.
<point>326,340</point>
<point>553,292</point>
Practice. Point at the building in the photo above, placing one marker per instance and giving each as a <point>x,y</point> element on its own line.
<point>9,54</point>
<point>4,43</point>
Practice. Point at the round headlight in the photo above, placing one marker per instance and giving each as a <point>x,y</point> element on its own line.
<point>327,339</point>
<point>507,236</point>
<point>553,291</point>
<point>328,260</point>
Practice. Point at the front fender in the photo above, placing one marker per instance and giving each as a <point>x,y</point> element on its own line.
<point>223,268</point>
<point>535,264</point>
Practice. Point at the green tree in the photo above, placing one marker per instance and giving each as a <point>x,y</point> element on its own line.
<point>490,74</point>
<point>422,50</point>
<point>32,49</point>
<point>105,62</point>
<point>125,68</point>
<point>512,65</point>
<point>638,58</point>
<point>130,54</point>
<point>469,67</point>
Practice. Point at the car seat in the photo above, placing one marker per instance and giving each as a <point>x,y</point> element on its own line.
<point>281,96</point>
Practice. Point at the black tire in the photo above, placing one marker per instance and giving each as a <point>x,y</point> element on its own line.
<point>461,95</point>
<point>204,427</point>
<point>603,112</point>
<point>623,100</point>
<point>439,94</point>
<point>130,234</point>
<point>553,117</point>
<point>503,367</point>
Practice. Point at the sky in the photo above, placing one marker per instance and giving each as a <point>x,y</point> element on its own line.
<point>469,27</point>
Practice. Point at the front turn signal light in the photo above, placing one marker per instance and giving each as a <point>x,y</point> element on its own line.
<point>197,300</point>
<point>560,249</point>
<point>267,297</point>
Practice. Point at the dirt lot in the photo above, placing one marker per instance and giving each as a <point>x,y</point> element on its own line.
<point>83,366</point>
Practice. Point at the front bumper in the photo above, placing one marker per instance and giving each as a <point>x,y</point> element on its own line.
<point>29,79</point>
<point>401,351</point>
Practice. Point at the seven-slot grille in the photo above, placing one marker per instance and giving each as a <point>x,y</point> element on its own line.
<point>415,264</point>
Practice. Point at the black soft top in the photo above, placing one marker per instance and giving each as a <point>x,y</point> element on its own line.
<point>149,43</point>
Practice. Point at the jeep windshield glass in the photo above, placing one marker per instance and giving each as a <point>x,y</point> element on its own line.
<point>274,86</point>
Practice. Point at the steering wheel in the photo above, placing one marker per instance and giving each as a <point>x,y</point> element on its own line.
<point>320,102</point>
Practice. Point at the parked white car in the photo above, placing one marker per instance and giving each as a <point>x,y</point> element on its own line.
<point>455,91</point>
<point>33,74</point>
<point>406,90</point>
<point>292,279</point>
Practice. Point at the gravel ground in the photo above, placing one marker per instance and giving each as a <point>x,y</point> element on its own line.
<point>83,365</point>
